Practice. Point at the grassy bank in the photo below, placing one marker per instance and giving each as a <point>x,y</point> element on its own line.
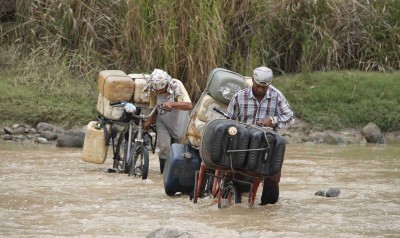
<point>24,103</point>
<point>345,99</point>
<point>334,100</point>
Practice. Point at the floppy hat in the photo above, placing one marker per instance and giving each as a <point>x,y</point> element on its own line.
<point>263,76</point>
<point>159,79</point>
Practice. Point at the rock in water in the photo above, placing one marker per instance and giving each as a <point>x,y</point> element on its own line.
<point>373,134</point>
<point>169,232</point>
<point>333,192</point>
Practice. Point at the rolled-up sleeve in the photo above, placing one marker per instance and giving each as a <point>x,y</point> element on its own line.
<point>285,116</point>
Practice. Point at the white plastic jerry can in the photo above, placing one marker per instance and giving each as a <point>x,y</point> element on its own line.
<point>94,145</point>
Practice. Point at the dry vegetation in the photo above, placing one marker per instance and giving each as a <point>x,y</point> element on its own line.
<point>188,38</point>
<point>57,47</point>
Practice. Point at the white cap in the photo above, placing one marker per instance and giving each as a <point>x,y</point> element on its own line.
<point>263,76</point>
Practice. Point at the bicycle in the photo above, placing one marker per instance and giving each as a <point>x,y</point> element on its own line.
<point>134,159</point>
<point>223,184</point>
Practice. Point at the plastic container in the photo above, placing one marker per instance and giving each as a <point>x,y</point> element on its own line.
<point>205,110</point>
<point>223,84</point>
<point>266,162</point>
<point>180,168</point>
<point>140,81</point>
<point>195,131</point>
<point>139,96</point>
<point>116,85</point>
<point>109,112</point>
<point>248,81</point>
<point>94,145</point>
<point>224,144</point>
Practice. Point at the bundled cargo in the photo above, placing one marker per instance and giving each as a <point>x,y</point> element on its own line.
<point>115,85</point>
<point>222,84</point>
<point>224,144</point>
<point>252,150</point>
<point>202,114</point>
<point>109,112</point>
<point>266,152</point>
<point>140,81</point>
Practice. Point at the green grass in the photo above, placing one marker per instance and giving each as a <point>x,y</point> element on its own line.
<point>337,100</point>
<point>334,100</point>
<point>21,103</point>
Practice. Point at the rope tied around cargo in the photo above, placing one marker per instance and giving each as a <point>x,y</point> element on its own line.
<point>269,146</point>
<point>232,151</point>
<point>230,160</point>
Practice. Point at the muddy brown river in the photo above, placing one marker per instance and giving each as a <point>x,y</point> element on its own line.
<point>51,192</point>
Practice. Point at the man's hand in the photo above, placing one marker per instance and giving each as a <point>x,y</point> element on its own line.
<point>167,105</point>
<point>267,122</point>
<point>147,124</point>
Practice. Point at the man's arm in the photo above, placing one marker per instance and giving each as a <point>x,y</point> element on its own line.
<point>285,115</point>
<point>185,106</point>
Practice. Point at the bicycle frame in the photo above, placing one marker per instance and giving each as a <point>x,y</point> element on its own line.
<point>133,150</point>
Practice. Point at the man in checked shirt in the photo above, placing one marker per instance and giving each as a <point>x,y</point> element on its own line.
<point>263,105</point>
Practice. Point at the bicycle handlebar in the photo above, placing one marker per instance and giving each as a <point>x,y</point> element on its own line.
<point>122,103</point>
<point>222,113</point>
<point>119,103</point>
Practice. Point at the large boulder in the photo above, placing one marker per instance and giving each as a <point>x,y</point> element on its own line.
<point>71,138</point>
<point>373,134</point>
<point>44,126</point>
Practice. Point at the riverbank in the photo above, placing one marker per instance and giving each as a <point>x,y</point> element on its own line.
<point>300,132</point>
<point>326,104</point>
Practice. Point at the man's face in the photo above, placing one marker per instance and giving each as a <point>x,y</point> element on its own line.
<point>162,90</point>
<point>258,89</point>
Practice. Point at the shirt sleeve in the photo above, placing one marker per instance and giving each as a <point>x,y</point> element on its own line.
<point>153,100</point>
<point>184,97</point>
<point>232,109</point>
<point>285,114</point>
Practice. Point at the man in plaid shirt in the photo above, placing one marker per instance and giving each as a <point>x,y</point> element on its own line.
<point>263,105</point>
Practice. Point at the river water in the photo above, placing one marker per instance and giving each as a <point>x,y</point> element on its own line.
<point>51,192</point>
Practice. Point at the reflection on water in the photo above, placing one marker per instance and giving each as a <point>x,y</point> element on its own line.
<point>49,191</point>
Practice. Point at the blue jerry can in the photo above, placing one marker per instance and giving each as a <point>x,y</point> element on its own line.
<point>180,168</point>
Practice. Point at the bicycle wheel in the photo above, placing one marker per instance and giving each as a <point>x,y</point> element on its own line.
<point>121,153</point>
<point>229,196</point>
<point>139,161</point>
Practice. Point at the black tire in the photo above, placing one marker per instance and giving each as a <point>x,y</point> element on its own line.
<point>230,195</point>
<point>205,189</point>
<point>121,154</point>
<point>128,160</point>
<point>139,163</point>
